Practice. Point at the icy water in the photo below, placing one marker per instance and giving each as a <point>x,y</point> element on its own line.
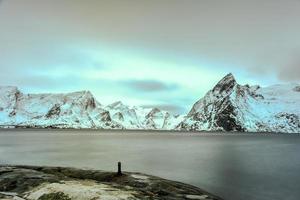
<point>235,167</point>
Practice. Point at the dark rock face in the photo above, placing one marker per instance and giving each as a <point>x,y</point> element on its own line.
<point>225,118</point>
<point>105,116</point>
<point>216,110</point>
<point>20,180</point>
<point>17,95</point>
<point>90,103</point>
<point>222,114</point>
<point>155,112</point>
<point>297,88</point>
<point>88,100</point>
<point>152,112</point>
<point>289,118</point>
<point>119,116</point>
<point>150,123</point>
<point>225,84</point>
<point>12,113</point>
<point>54,111</point>
<point>166,119</point>
<point>55,196</point>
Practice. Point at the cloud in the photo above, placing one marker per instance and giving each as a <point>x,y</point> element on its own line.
<point>291,71</point>
<point>211,31</point>
<point>143,50</point>
<point>149,85</point>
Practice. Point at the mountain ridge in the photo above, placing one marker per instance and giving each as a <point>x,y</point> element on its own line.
<point>228,106</point>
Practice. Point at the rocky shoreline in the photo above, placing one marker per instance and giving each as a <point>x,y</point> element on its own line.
<point>62,183</point>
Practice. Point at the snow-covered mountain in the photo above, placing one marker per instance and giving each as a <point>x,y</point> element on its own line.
<point>162,120</point>
<point>229,106</point>
<point>76,110</point>
<point>134,117</point>
<point>124,115</point>
<point>71,110</point>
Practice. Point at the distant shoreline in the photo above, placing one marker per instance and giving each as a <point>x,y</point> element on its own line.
<point>146,131</point>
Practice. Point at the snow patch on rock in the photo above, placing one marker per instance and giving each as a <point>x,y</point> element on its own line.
<point>81,190</point>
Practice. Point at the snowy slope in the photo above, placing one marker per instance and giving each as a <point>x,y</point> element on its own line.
<point>230,106</point>
<point>162,120</point>
<point>125,115</point>
<point>134,117</point>
<point>71,110</point>
<point>76,110</point>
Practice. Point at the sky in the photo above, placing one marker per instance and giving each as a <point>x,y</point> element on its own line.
<point>158,53</point>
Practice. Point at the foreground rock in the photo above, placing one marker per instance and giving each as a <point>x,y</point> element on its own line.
<point>57,183</point>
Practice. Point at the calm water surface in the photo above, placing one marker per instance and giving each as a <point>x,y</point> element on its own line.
<point>235,167</point>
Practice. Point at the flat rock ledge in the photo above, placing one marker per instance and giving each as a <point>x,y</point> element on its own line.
<point>61,183</point>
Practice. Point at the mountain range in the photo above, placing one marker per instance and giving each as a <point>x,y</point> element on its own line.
<point>228,106</point>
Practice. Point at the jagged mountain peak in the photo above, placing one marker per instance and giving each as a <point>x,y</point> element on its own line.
<point>119,116</point>
<point>222,89</point>
<point>297,88</point>
<point>84,98</point>
<point>230,106</point>
<point>225,84</point>
<point>228,77</point>
<point>87,93</point>
<point>153,112</point>
<point>9,90</point>
<point>78,94</point>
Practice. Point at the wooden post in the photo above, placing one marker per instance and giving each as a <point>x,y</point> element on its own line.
<point>119,169</point>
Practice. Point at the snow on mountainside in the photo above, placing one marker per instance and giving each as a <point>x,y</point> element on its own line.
<point>72,110</point>
<point>158,119</point>
<point>233,107</point>
<point>125,115</point>
<point>76,110</point>
<point>142,118</point>
<point>229,106</point>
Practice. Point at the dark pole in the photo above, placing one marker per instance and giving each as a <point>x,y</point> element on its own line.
<point>119,169</point>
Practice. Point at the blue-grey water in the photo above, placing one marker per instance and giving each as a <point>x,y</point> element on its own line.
<point>235,167</point>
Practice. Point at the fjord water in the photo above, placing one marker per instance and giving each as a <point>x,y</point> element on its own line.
<point>234,166</point>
